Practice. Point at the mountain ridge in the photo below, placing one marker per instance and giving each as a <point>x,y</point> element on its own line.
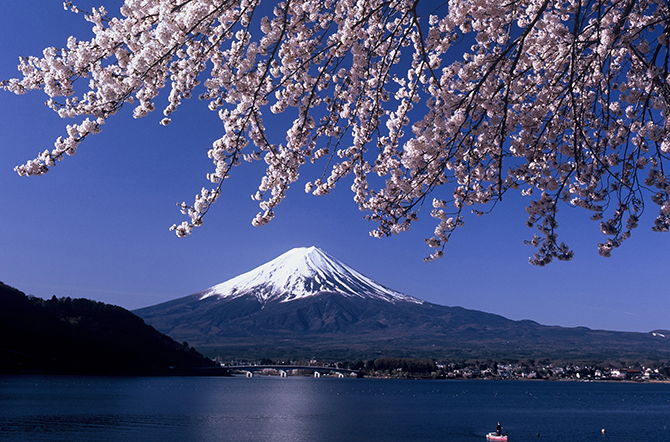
<point>302,306</point>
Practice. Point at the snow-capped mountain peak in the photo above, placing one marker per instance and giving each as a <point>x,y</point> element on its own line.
<point>304,272</point>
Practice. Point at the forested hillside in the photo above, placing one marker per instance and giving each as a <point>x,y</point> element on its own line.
<point>64,335</point>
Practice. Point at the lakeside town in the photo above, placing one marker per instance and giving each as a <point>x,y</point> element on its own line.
<point>551,372</point>
<point>409,368</point>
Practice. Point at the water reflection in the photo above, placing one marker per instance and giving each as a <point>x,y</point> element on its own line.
<point>297,409</point>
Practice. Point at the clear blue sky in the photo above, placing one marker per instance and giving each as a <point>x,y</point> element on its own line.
<point>96,226</point>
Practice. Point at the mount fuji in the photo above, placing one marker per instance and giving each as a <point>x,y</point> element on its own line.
<point>307,303</point>
<point>302,273</point>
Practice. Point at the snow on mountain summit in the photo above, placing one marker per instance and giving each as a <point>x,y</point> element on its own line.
<point>300,273</point>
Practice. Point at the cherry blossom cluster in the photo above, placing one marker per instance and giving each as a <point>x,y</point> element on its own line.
<point>564,101</point>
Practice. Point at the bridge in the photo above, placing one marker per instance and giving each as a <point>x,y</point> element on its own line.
<point>284,369</point>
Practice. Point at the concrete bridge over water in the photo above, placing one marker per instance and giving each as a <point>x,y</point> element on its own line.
<point>284,369</point>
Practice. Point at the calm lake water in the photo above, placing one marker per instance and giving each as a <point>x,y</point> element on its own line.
<point>297,409</point>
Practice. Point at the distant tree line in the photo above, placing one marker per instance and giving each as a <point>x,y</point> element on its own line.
<point>406,365</point>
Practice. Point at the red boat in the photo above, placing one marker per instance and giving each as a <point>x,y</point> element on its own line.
<point>494,437</point>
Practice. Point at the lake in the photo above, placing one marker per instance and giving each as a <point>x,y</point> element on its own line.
<point>302,409</point>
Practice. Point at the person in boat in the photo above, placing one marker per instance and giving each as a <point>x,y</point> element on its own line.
<point>498,429</point>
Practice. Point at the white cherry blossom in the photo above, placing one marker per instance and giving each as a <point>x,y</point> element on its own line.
<point>564,101</point>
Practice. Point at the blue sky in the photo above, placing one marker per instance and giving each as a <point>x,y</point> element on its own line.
<point>96,226</point>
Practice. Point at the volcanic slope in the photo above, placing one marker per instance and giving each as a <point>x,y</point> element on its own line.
<point>306,303</point>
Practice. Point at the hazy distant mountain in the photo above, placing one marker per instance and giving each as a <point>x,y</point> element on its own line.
<point>307,303</point>
<point>64,335</point>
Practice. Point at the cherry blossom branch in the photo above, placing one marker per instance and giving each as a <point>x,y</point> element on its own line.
<point>565,99</point>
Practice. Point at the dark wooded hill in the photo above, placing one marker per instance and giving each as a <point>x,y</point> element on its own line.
<point>86,337</point>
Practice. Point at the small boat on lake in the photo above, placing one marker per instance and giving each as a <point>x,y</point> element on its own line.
<point>494,437</point>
